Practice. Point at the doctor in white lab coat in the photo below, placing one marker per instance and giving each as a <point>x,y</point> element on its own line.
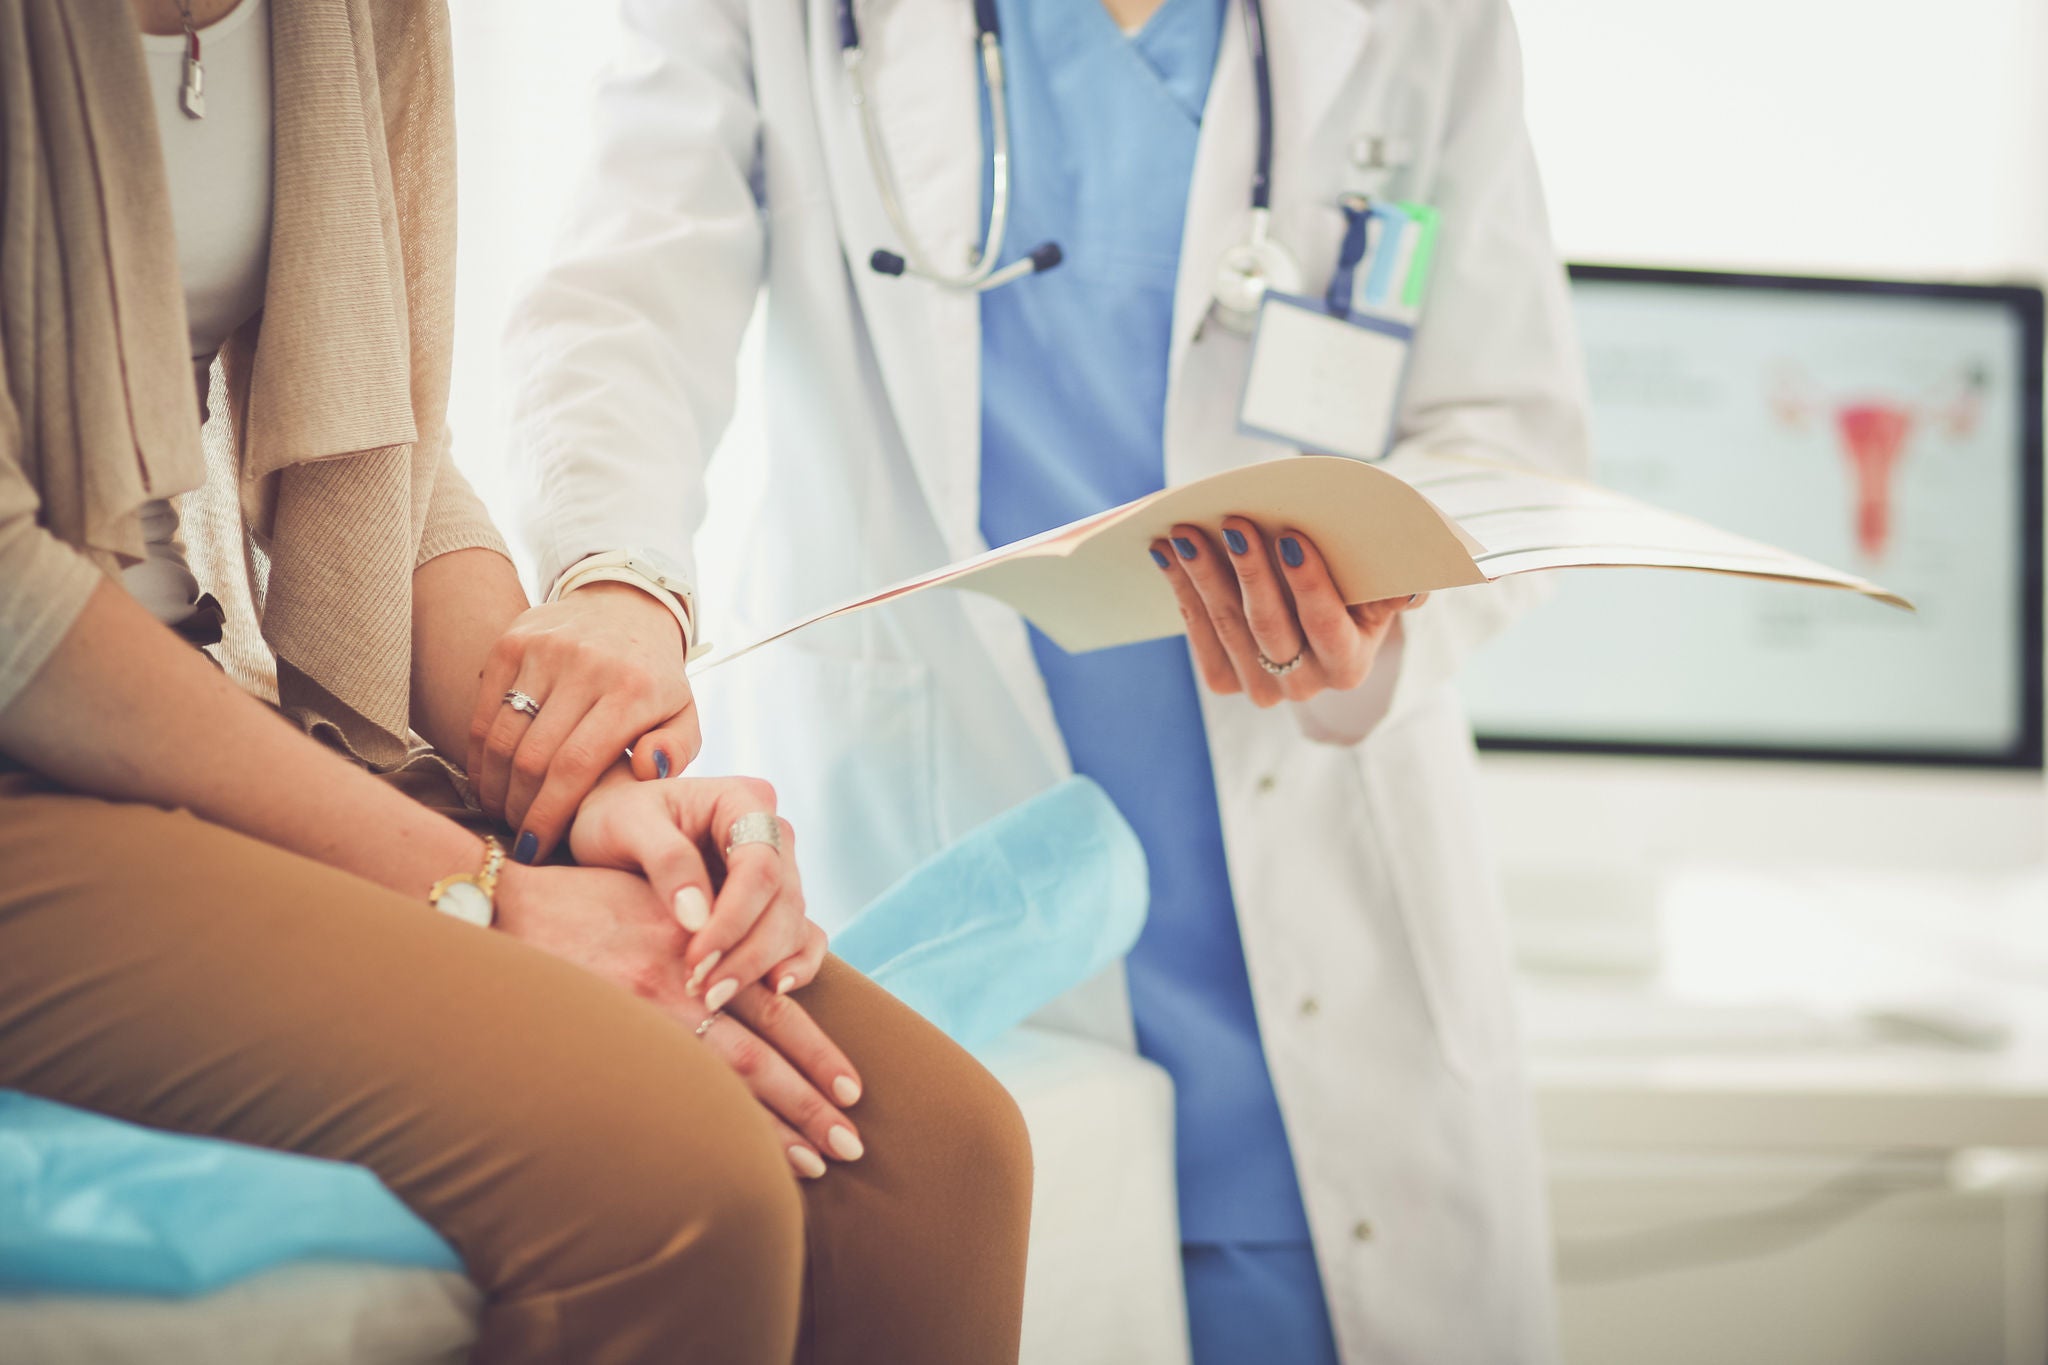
<point>730,159</point>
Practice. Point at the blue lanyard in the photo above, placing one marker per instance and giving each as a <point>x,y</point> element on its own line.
<point>1357,218</point>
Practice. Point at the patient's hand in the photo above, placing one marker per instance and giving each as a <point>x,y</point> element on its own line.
<point>676,834</point>
<point>1268,621</point>
<point>612,923</point>
<point>605,665</point>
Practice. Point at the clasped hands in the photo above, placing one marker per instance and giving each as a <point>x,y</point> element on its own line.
<point>660,904</point>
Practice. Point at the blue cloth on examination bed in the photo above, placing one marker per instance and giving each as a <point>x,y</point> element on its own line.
<point>92,1204</point>
<point>1016,913</point>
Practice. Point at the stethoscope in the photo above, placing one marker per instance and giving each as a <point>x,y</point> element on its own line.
<point>1248,270</point>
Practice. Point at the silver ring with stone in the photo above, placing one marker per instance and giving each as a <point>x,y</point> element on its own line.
<point>1282,670</point>
<point>522,703</point>
<point>709,1019</point>
<point>755,827</point>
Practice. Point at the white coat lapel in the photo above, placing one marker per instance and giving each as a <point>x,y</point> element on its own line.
<point>922,78</point>
<point>1314,48</point>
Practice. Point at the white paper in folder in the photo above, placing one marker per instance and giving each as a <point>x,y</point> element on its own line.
<point>1416,523</point>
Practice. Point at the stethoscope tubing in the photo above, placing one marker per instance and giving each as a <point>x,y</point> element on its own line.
<point>982,274</point>
<point>1262,85</point>
<point>915,258</point>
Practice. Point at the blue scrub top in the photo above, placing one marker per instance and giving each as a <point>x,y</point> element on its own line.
<point>1074,371</point>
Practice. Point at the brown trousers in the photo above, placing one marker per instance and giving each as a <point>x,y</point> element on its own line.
<point>610,1184</point>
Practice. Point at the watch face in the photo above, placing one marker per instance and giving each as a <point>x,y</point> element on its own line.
<point>467,902</point>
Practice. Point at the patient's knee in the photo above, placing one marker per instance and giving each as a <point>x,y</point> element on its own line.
<point>647,1178</point>
<point>703,1185</point>
<point>981,1149</point>
<point>693,1251</point>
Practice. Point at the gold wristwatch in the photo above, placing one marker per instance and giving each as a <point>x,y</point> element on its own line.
<point>472,897</point>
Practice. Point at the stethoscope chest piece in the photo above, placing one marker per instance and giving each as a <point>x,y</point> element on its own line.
<point>1247,273</point>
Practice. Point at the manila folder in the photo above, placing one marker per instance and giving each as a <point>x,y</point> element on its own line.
<point>1416,523</point>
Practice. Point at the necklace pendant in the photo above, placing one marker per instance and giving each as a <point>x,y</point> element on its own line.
<point>192,98</point>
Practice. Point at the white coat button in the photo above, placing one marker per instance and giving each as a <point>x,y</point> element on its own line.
<point>1266,783</point>
<point>1374,152</point>
<point>1310,1007</point>
<point>1361,1231</point>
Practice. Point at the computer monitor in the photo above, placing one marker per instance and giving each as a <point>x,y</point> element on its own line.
<point>1886,427</point>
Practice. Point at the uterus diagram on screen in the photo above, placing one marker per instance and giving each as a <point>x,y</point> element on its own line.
<point>1874,431</point>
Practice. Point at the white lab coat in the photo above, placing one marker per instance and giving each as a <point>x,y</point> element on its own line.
<point>729,157</point>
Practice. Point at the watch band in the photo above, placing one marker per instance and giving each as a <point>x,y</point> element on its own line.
<point>645,571</point>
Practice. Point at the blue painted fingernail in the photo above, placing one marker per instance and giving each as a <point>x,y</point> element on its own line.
<point>528,845</point>
<point>1185,546</point>
<point>1236,541</point>
<point>1159,559</point>
<point>660,763</point>
<point>1290,550</point>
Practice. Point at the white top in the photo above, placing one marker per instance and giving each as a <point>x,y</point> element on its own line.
<point>219,169</point>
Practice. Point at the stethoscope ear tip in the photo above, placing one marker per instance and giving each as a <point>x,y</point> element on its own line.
<point>886,263</point>
<point>1045,256</point>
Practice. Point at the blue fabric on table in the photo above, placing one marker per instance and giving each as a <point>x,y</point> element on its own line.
<point>1018,912</point>
<point>92,1204</point>
<point>1073,381</point>
<point>1012,917</point>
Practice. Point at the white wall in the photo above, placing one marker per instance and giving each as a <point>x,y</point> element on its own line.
<point>523,74</point>
<point>1830,136</point>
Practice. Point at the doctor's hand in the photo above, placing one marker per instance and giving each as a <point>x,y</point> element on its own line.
<point>605,666</point>
<point>613,925</point>
<point>742,903</point>
<point>1266,620</point>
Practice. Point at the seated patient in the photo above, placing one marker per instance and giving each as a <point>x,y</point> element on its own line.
<point>212,922</point>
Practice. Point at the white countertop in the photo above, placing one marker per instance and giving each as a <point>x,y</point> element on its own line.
<point>1757,1032</point>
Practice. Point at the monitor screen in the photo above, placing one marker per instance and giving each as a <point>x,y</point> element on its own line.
<point>1887,428</point>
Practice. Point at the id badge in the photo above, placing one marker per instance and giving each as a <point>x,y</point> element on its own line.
<point>1325,374</point>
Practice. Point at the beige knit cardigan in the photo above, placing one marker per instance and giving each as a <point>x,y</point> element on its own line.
<point>329,414</point>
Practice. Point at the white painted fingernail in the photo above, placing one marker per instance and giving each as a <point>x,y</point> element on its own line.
<point>693,908</point>
<point>808,1163</point>
<point>785,986</point>
<point>845,1145</point>
<point>696,981</point>
<point>846,1090</point>
<point>719,996</point>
